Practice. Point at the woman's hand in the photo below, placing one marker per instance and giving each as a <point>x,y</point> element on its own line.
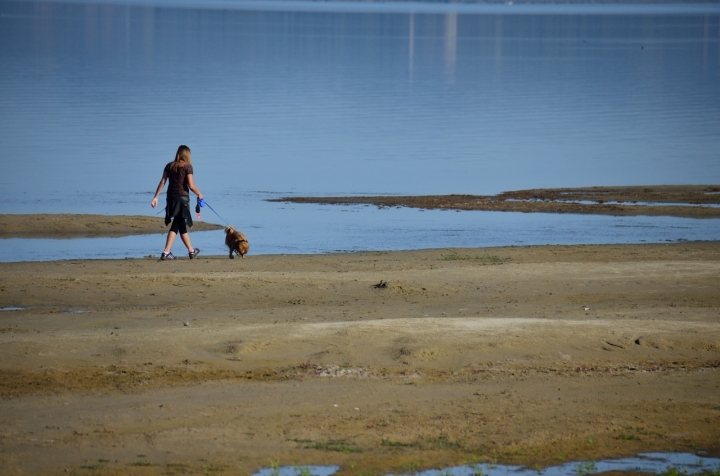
<point>159,189</point>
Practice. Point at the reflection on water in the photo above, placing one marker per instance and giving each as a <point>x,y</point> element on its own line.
<point>351,99</point>
<point>342,103</point>
<point>684,463</point>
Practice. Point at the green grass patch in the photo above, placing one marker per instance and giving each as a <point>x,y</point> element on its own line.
<point>673,471</point>
<point>485,259</point>
<point>583,469</point>
<point>93,467</point>
<point>340,446</point>
<point>395,444</point>
<point>142,463</point>
<point>440,443</point>
<point>443,443</point>
<point>178,468</point>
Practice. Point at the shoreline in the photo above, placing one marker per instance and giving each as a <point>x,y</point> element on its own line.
<point>374,361</point>
<point>154,257</point>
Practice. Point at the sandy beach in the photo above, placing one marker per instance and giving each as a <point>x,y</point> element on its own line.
<point>378,362</point>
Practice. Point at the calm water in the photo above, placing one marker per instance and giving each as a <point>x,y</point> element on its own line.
<point>657,463</point>
<point>354,99</point>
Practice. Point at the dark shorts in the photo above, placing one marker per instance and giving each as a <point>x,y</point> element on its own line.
<point>179,225</point>
<point>178,211</point>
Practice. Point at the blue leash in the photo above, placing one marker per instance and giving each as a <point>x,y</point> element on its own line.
<point>203,202</point>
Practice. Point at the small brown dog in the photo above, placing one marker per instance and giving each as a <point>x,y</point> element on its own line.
<point>237,242</point>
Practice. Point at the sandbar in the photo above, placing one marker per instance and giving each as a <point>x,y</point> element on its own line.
<point>686,201</point>
<point>64,225</point>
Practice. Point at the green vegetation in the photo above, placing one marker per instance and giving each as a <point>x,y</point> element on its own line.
<point>583,469</point>
<point>93,467</point>
<point>673,471</point>
<point>395,444</point>
<point>440,443</point>
<point>177,466</point>
<point>486,259</point>
<point>341,446</point>
<point>443,443</point>
<point>275,467</point>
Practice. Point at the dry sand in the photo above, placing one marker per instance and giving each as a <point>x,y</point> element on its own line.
<point>213,366</point>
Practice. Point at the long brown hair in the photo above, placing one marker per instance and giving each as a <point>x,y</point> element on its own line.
<point>182,157</point>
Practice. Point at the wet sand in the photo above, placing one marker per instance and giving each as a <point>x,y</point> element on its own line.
<point>688,201</point>
<point>378,362</point>
<point>86,226</point>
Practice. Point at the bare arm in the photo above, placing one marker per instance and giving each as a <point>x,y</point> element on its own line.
<point>191,184</point>
<point>161,185</point>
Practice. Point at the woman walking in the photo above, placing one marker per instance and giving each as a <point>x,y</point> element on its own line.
<point>180,174</point>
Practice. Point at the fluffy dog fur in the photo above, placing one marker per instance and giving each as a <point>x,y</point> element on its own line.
<point>236,242</point>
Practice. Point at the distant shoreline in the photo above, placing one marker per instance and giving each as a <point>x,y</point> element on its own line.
<point>477,7</point>
<point>683,201</point>
<point>66,225</point>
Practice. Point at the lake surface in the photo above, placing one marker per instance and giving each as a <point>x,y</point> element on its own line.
<point>302,98</point>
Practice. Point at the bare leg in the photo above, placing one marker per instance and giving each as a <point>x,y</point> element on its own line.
<point>170,240</point>
<point>185,237</point>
